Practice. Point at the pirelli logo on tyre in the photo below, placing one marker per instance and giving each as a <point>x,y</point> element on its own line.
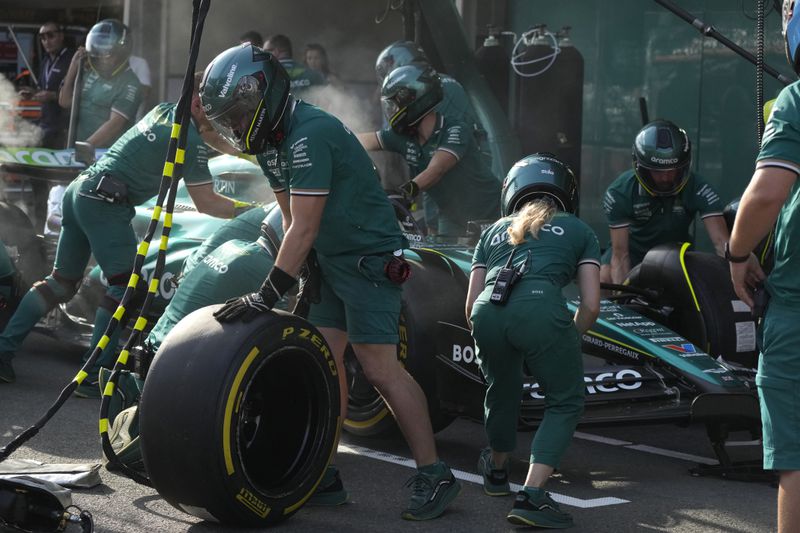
<point>304,333</point>
<point>249,500</point>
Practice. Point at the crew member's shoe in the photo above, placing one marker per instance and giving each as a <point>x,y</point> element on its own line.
<point>433,487</point>
<point>535,507</point>
<point>7,374</point>
<point>330,490</point>
<point>90,388</point>
<point>495,480</point>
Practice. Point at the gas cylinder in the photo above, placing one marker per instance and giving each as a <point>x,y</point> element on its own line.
<point>493,62</point>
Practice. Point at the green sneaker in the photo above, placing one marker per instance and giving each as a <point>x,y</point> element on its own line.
<point>7,374</point>
<point>535,507</point>
<point>124,437</point>
<point>330,490</point>
<point>433,487</point>
<point>126,393</point>
<point>495,480</point>
<point>90,388</point>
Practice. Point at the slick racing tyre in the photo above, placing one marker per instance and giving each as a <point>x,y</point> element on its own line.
<point>24,247</point>
<point>432,293</point>
<point>238,421</point>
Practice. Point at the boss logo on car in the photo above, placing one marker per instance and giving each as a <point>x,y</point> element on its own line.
<point>604,383</point>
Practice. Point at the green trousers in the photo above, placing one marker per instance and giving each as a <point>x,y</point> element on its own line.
<point>89,227</point>
<point>534,330</point>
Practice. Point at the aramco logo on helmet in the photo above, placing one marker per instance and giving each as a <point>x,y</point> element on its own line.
<point>661,161</point>
<point>228,81</point>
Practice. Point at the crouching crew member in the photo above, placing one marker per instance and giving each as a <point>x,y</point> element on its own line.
<point>97,210</point>
<point>520,319</point>
<point>330,197</point>
<point>656,202</point>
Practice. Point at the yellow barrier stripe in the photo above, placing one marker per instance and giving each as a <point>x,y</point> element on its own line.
<point>168,220</point>
<point>157,212</point>
<point>615,341</point>
<point>123,357</point>
<point>103,426</point>
<point>133,281</point>
<point>109,390</point>
<point>180,155</point>
<point>80,376</point>
<point>168,167</point>
<point>119,313</point>
<point>153,285</point>
<point>176,130</point>
<point>141,322</point>
<point>103,342</point>
<point>232,395</point>
<point>685,247</point>
<point>143,246</point>
<point>164,239</point>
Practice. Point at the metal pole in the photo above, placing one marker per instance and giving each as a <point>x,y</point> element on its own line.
<point>710,31</point>
<point>75,107</point>
<point>22,53</point>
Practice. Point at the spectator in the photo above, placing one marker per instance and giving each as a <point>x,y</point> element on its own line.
<point>252,37</point>
<point>105,112</point>
<point>316,58</point>
<point>301,77</point>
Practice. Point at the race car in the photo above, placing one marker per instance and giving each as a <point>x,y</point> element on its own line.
<point>673,344</point>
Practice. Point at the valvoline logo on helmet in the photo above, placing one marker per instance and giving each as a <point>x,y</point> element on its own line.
<point>228,80</point>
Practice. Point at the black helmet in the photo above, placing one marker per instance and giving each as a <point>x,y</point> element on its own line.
<point>539,175</point>
<point>408,94</point>
<point>245,93</point>
<point>398,54</point>
<point>108,46</point>
<point>661,147</point>
<point>791,33</point>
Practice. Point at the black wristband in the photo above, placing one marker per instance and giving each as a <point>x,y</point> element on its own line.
<point>734,258</point>
<point>278,282</point>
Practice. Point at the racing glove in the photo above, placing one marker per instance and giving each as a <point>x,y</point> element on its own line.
<point>410,190</point>
<point>249,306</point>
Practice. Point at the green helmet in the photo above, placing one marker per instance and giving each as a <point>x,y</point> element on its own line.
<point>245,93</point>
<point>398,54</point>
<point>108,46</point>
<point>408,94</point>
<point>539,175</point>
<point>662,154</point>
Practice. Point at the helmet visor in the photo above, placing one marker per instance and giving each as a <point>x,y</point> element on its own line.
<point>235,120</point>
<point>390,108</point>
<point>664,182</point>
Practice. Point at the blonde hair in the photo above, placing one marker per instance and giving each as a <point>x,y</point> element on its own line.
<point>530,219</point>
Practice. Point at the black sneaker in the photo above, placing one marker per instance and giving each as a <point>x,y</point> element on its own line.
<point>330,490</point>
<point>539,510</point>
<point>495,480</point>
<point>431,493</point>
<point>7,374</point>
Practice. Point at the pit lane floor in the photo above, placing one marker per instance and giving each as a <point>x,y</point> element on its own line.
<point>612,479</point>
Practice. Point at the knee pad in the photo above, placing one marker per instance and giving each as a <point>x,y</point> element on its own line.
<point>56,289</point>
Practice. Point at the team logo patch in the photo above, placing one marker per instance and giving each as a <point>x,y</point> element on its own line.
<point>682,348</point>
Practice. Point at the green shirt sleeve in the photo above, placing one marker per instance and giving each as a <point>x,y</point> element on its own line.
<point>617,207</point>
<point>197,172</point>
<point>704,199</point>
<point>455,139</point>
<point>310,161</point>
<point>479,255</point>
<point>126,101</point>
<point>591,248</point>
<point>269,163</point>
<point>391,141</point>
<point>781,141</point>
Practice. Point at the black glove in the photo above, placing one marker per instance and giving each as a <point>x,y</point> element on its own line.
<point>249,306</point>
<point>410,190</point>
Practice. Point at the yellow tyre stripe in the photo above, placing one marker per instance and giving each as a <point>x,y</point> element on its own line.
<point>232,397</point>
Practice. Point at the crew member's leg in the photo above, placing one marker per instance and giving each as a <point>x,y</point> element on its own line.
<point>72,255</point>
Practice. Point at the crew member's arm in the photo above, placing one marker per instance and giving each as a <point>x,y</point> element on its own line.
<point>369,141</point>
<point>306,213</point>
<point>718,232</point>
<point>207,201</point>
<point>282,197</point>
<point>477,282</point>
<point>109,131</point>
<point>758,210</point>
<point>65,93</point>
<point>589,285</point>
<point>620,258</point>
<point>441,162</point>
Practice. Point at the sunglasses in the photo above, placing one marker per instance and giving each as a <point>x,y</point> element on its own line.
<point>48,34</point>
